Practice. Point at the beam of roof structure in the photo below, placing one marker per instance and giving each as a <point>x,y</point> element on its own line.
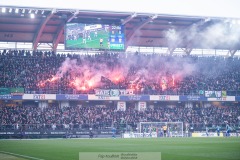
<point>170,50</point>
<point>38,34</point>
<point>232,52</point>
<point>136,28</point>
<point>73,16</point>
<point>129,18</point>
<point>188,50</point>
<point>59,34</point>
<point>58,37</point>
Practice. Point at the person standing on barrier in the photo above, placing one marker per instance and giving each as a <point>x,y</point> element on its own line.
<point>113,132</point>
<point>227,131</point>
<point>165,131</point>
<point>218,131</point>
<point>207,134</point>
<point>90,134</point>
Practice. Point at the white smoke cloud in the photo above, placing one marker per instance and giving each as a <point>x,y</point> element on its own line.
<point>222,33</point>
<point>173,37</point>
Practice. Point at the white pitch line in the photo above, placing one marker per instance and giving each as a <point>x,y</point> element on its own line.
<point>23,156</point>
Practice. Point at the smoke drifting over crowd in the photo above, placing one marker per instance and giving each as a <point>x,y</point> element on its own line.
<point>215,34</point>
<point>134,70</point>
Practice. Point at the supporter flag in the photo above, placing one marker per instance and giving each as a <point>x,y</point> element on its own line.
<point>17,91</point>
<point>105,80</point>
<point>4,91</point>
<point>224,93</point>
<point>201,92</point>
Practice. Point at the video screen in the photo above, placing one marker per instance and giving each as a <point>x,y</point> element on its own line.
<point>94,36</point>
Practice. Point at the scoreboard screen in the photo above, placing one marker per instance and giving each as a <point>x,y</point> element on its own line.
<point>94,36</point>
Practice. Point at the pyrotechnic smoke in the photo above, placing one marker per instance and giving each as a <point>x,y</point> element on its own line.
<point>86,73</point>
<point>137,69</point>
<point>173,38</point>
<point>220,33</point>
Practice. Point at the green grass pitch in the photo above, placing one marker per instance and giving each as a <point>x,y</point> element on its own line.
<point>170,148</point>
<point>93,43</point>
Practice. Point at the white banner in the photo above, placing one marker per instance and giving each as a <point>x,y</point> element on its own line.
<point>140,135</point>
<point>39,96</point>
<point>113,92</point>
<point>164,98</point>
<point>227,98</point>
<point>234,134</point>
<point>142,106</point>
<point>203,134</point>
<point>121,106</point>
<point>94,97</point>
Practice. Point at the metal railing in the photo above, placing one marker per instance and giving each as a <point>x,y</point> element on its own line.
<point>103,126</point>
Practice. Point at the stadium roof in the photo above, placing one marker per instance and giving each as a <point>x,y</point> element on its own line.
<point>142,29</point>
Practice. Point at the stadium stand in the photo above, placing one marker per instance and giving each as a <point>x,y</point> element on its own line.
<point>52,117</point>
<point>27,69</point>
<point>182,75</point>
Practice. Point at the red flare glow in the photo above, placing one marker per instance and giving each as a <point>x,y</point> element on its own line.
<point>83,88</point>
<point>116,76</point>
<point>52,79</point>
<point>90,84</point>
<point>41,84</point>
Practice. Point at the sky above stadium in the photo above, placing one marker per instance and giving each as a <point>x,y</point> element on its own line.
<point>206,8</point>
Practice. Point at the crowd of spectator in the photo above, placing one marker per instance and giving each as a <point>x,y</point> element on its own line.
<point>106,116</point>
<point>179,74</point>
